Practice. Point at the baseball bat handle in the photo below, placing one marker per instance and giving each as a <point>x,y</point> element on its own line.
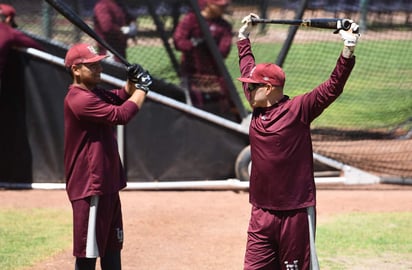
<point>74,18</point>
<point>317,23</point>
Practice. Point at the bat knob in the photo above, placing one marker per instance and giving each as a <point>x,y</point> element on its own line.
<point>254,21</point>
<point>346,24</point>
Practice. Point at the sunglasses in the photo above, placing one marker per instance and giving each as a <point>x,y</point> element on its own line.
<point>253,86</point>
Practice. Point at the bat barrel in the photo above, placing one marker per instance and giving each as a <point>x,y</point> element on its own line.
<point>316,23</point>
<point>271,21</point>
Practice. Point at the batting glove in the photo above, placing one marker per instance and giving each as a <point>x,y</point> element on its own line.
<point>247,26</point>
<point>133,72</point>
<point>351,36</point>
<point>125,30</point>
<point>130,30</point>
<point>196,41</point>
<point>144,80</point>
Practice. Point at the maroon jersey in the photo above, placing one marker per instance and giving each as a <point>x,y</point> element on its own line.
<point>281,146</point>
<point>91,158</point>
<point>198,59</point>
<point>10,37</point>
<point>109,17</point>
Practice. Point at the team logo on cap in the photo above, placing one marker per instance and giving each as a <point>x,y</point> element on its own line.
<point>251,72</point>
<point>92,49</point>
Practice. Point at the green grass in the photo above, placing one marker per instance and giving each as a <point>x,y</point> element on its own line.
<point>352,239</point>
<point>31,235</point>
<point>378,93</point>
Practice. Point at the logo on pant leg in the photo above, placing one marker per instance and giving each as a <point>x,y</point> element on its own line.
<point>119,233</point>
<point>292,266</point>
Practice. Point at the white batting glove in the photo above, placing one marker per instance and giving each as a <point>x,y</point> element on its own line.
<point>247,26</point>
<point>125,30</point>
<point>351,36</point>
<point>196,41</point>
<point>129,30</point>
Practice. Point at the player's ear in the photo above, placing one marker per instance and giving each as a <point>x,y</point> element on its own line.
<point>276,88</point>
<point>269,88</point>
<point>8,19</point>
<point>75,70</point>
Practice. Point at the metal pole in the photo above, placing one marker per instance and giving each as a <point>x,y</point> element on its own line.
<point>292,32</point>
<point>46,20</point>
<point>263,6</point>
<point>363,24</point>
<point>163,35</point>
<point>213,118</point>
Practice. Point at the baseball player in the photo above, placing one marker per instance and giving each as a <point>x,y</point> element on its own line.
<point>114,24</point>
<point>94,173</point>
<point>282,189</point>
<point>10,36</point>
<point>200,72</point>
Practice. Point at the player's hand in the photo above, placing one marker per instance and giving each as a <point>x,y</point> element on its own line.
<point>133,72</point>
<point>350,37</point>
<point>196,41</point>
<point>247,26</point>
<point>144,80</point>
<point>125,30</point>
<point>129,30</point>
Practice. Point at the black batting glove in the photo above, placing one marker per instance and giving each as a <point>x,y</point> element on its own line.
<point>144,80</point>
<point>133,72</point>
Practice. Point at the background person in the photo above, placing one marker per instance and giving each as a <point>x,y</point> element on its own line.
<point>10,36</point>
<point>114,24</point>
<point>199,71</point>
<point>282,188</point>
<point>93,170</point>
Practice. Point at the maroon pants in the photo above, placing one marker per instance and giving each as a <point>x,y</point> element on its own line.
<point>108,228</point>
<point>278,240</point>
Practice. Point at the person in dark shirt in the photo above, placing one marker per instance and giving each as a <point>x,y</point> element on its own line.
<point>93,169</point>
<point>199,71</point>
<point>114,24</point>
<point>10,36</point>
<point>282,188</point>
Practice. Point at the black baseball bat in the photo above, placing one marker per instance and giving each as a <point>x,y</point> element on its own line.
<point>317,23</point>
<point>75,19</point>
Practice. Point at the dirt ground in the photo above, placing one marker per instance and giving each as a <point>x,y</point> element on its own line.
<point>199,230</point>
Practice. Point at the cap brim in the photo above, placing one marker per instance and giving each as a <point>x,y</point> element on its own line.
<point>247,80</point>
<point>97,58</point>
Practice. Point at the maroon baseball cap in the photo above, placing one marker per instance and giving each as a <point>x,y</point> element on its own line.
<point>219,2</point>
<point>266,73</point>
<point>7,11</point>
<point>82,53</point>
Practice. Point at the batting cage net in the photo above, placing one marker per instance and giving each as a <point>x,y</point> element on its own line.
<point>369,126</point>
